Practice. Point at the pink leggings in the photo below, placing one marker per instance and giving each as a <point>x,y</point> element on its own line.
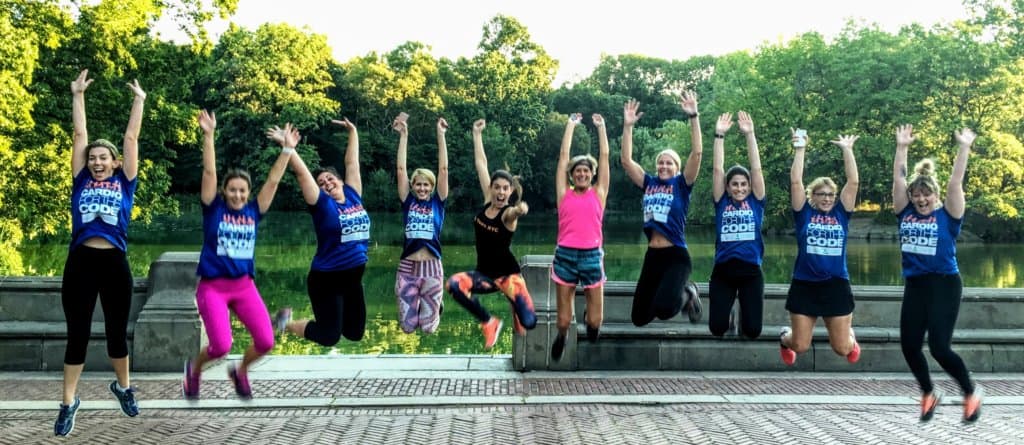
<point>215,296</point>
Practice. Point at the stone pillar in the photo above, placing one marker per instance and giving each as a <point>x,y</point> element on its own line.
<point>168,330</point>
<point>533,352</point>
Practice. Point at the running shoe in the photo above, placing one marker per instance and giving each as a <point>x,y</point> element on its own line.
<point>66,419</point>
<point>694,308</point>
<point>854,354</point>
<point>491,330</point>
<point>929,402</point>
<point>788,355</point>
<point>557,348</point>
<point>593,333</point>
<point>281,319</point>
<point>190,383</point>
<point>972,404</point>
<point>240,381</point>
<point>126,398</point>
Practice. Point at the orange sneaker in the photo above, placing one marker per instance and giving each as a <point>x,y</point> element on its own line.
<point>972,405</point>
<point>929,402</point>
<point>854,354</point>
<point>788,355</point>
<point>491,330</point>
<point>518,327</point>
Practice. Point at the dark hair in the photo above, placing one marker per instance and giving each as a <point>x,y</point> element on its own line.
<point>325,169</point>
<point>517,188</point>
<point>235,173</point>
<point>736,170</point>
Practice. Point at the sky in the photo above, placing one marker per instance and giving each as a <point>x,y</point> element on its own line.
<point>577,33</point>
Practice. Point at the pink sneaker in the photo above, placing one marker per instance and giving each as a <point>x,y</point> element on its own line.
<point>491,330</point>
<point>788,355</point>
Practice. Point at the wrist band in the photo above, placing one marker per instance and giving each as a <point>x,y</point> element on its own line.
<point>719,136</point>
<point>287,150</point>
<point>692,116</point>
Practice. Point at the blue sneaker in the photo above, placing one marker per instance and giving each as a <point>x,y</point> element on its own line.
<point>129,406</point>
<point>66,418</point>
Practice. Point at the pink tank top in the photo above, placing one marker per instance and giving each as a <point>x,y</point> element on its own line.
<point>580,219</point>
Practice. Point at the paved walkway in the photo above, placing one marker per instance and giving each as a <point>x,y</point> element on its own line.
<point>481,400</point>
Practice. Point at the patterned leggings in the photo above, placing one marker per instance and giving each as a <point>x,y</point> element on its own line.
<point>464,284</point>
<point>419,291</point>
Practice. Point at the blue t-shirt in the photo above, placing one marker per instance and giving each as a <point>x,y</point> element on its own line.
<point>101,208</point>
<point>342,232</point>
<point>229,240</point>
<point>423,221</point>
<point>665,204</point>
<point>738,229</point>
<point>928,242</point>
<point>821,240</point>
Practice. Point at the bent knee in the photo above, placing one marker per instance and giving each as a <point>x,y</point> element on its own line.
<point>218,350</point>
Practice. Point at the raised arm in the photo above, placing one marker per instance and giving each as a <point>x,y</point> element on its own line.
<point>131,134</point>
<point>797,194</point>
<point>955,203</point>
<point>310,191</point>
<point>81,136</point>
<point>442,159</point>
<point>480,158</point>
<point>288,142</point>
<point>603,169</point>
<point>723,125</point>
<point>401,172</point>
<point>352,177</point>
<point>746,125</point>
<point>561,178</point>
<point>208,189</point>
<point>689,104</point>
<point>630,116</point>
<point>848,195</point>
<point>904,137</point>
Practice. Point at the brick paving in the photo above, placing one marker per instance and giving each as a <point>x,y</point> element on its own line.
<point>427,410</point>
<point>548,424</point>
<point>525,386</point>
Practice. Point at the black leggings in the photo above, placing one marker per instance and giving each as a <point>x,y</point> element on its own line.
<point>88,272</point>
<point>659,291</point>
<point>339,307</point>
<point>931,304</point>
<point>732,280</point>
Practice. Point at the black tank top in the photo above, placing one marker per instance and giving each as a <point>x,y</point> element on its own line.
<point>493,240</point>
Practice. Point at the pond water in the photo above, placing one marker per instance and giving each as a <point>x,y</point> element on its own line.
<point>286,244</point>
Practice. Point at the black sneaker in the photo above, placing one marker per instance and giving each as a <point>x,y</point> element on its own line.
<point>593,333</point>
<point>66,418</point>
<point>694,307</point>
<point>129,406</point>
<point>557,348</point>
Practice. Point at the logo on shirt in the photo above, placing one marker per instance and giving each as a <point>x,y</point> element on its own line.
<point>658,202</point>
<point>355,223</point>
<point>738,223</point>
<point>100,199</point>
<point>236,237</point>
<point>919,235</point>
<point>420,221</point>
<point>825,236</point>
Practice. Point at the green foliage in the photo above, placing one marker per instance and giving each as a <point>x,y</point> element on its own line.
<point>865,81</point>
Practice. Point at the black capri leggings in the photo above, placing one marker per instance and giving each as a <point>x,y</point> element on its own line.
<point>339,307</point>
<point>931,303</point>
<point>88,272</point>
<point>659,291</point>
<point>732,280</point>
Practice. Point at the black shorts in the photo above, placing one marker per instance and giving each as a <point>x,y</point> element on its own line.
<point>829,298</point>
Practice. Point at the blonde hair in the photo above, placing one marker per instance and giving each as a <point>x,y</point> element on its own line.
<point>817,183</point>
<point>672,155</point>
<point>923,178</point>
<point>426,174</point>
<point>582,159</point>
